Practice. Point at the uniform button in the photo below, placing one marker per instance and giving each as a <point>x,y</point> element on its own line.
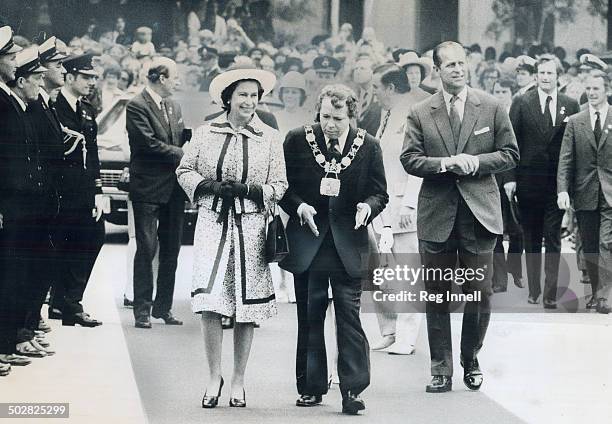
<point>457,180</point>
<point>39,184</point>
<point>29,159</point>
<point>39,168</point>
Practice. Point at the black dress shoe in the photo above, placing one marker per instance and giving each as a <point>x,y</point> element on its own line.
<point>127,303</point>
<point>143,322</point>
<point>440,384</point>
<point>472,376</point>
<point>603,307</point>
<point>168,319</point>
<point>592,303</point>
<point>549,304</point>
<point>533,300</point>
<point>83,319</point>
<point>212,401</point>
<point>55,313</point>
<point>238,403</point>
<point>352,404</point>
<point>518,282</point>
<point>309,400</point>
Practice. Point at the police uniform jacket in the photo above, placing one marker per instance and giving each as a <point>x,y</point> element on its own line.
<point>21,178</point>
<point>81,170</point>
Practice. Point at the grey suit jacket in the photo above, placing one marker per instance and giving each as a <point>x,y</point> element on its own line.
<point>583,164</point>
<point>486,132</point>
<point>155,148</point>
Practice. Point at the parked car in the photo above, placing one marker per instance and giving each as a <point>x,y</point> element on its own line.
<point>114,153</point>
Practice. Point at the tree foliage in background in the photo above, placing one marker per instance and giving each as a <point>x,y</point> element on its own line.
<point>533,20</point>
<point>290,13</point>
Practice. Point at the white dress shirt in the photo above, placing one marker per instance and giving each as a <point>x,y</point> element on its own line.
<point>5,88</point>
<point>72,100</point>
<point>459,103</point>
<point>45,96</point>
<point>603,112</point>
<point>341,139</point>
<point>553,104</point>
<point>21,102</point>
<point>156,97</point>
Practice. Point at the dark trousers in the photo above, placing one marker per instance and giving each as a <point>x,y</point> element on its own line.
<point>311,294</point>
<point>469,246</point>
<point>596,231</point>
<point>25,265</point>
<point>507,263</point>
<point>542,218</point>
<point>153,222</point>
<point>78,239</point>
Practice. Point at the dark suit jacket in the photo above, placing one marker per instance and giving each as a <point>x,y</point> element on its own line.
<point>81,176</point>
<point>536,173</point>
<point>51,147</point>
<point>485,132</point>
<point>155,147</point>
<point>21,178</point>
<point>363,181</point>
<point>584,165</point>
<point>267,118</point>
<point>371,119</point>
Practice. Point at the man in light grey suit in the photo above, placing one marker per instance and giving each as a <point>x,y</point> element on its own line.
<point>456,141</point>
<point>584,178</point>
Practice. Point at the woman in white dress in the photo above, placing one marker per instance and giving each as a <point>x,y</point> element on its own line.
<point>234,170</point>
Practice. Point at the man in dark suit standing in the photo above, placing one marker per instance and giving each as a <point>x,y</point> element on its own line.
<point>51,147</point>
<point>539,117</point>
<point>155,128</point>
<point>456,141</point>
<point>369,111</point>
<point>584,179</point>
<point>336,187</point>
<point>79,230</point>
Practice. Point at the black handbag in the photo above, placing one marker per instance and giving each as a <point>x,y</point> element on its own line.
<point>277,246</point>
<point>124,180</point>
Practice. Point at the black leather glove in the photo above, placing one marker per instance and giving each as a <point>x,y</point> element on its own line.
<point>256,194</point>
<point>239,189</point>
<point>219,188</point>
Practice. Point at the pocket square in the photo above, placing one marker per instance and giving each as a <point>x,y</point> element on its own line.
<point>482,130</point>
<point>566,119</point>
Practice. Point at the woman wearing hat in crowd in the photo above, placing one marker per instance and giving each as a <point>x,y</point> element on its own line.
<point>292,94</point>
<point>235,171</point>
<point>417,69</point>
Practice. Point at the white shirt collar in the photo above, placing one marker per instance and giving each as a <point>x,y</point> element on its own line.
<point>21,102</point>
<point>45,96</point>
<point>459,103</point>
<point>341,139</point>
<point>542,95</point>
<point>5,88</point>
<point>72,100</point>
<point>156,97</point>
<point>603,112</point>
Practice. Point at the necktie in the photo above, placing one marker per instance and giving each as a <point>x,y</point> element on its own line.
<point>383,126</point>
<point>597,129</point>
<point>364,104</point>
<point>165,111</point>
<point>455,120</point>
<point>334,149</point>
<point>547,115</point>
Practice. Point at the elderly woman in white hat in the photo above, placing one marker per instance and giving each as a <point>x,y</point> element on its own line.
<point>234,170</point>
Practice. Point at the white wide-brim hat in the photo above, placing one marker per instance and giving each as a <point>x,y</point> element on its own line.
<point>222,81</point>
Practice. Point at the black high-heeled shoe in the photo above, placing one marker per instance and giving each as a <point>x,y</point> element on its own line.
<point>212,401</point>
<point>238,403</point>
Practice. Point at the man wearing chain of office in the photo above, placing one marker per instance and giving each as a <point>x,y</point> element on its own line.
<point>336,187</point>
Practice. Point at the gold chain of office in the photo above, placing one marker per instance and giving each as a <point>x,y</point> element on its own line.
<point>333,166</point>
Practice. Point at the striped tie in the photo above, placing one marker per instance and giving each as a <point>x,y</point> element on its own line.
<point>364,104</point>
<point>383,126</point>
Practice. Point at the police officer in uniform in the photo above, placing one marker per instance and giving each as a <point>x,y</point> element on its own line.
<point>50,139</point>
<point>80,229</point>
